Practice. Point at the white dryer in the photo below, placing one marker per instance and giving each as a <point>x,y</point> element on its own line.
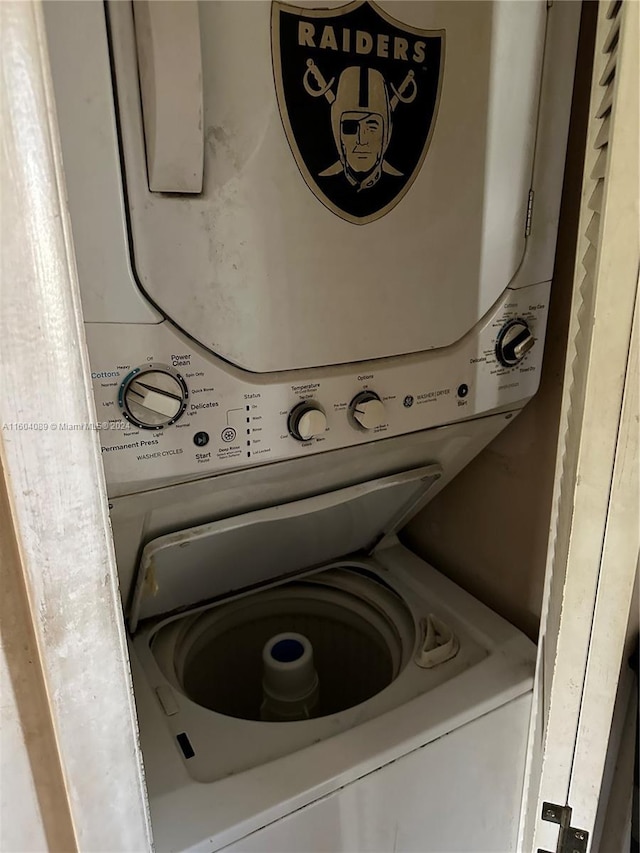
<point>315,248</point>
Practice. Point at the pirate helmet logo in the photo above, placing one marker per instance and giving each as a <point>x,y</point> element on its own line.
<point>358,94</point>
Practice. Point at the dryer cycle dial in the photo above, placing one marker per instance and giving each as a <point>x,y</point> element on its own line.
<point>153,396</point>
<point>514,342</point>
<point>307,420</point>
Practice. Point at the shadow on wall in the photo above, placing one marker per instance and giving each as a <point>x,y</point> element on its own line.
<point>489,529</point>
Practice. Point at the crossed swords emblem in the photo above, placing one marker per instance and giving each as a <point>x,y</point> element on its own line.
<point>324,88</point>
<point>317,86</point>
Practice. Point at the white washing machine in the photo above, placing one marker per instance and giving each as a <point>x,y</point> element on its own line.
<point>410,733</point>
<point>315,248</point>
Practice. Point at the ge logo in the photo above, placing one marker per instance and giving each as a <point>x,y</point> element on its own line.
<point>408,401</point>
<point>228,434</point>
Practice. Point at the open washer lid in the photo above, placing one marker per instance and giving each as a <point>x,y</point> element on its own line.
<point>234,554</point>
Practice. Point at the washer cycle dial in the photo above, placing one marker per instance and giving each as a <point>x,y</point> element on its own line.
<point>514,342</point>
<point>307,420</point>
<point>367,409</point>
<point>153,396</point>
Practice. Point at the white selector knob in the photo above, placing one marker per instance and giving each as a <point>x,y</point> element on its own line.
<point>312,422</point>
<point>307,420</point>
<point>155,401</point>
<point>367,410</point>
<point>154,397</point>
<point>370,414</point>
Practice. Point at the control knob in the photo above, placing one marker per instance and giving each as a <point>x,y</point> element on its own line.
<point>153,396</point>
<point>307,420</point>
<point>514,342</point>
<point>367,410</point>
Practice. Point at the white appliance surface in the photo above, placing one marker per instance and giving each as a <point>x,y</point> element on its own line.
<point>256,251</point>
<point>438,798</point>
<point>243,418</point>
<point>479,699</point>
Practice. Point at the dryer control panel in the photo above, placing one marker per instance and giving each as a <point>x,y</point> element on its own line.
<point>169,410</point>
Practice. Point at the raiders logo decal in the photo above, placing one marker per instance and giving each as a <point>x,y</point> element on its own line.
<point>358,94</point>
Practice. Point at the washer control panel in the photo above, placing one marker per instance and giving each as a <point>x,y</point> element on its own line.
<point>170,411</point>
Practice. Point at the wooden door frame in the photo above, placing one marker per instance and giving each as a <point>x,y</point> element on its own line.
<point>594,534</point>
<point>58,506</point>
<point>61,570</point>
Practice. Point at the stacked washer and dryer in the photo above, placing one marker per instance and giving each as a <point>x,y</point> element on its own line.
<point>315,249</point>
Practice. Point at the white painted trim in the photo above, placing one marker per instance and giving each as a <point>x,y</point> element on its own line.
<point>593,506</point>
<point>615,808</point>
<point>54,476</point>
<point>615,585</point>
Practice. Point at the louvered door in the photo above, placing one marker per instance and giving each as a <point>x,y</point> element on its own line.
<point>594,526</point>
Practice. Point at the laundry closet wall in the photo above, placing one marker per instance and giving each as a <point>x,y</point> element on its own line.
<point>488,530</point>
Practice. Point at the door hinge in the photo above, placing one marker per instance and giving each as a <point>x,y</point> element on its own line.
<point>570,839</point>
<point>527,224</point>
